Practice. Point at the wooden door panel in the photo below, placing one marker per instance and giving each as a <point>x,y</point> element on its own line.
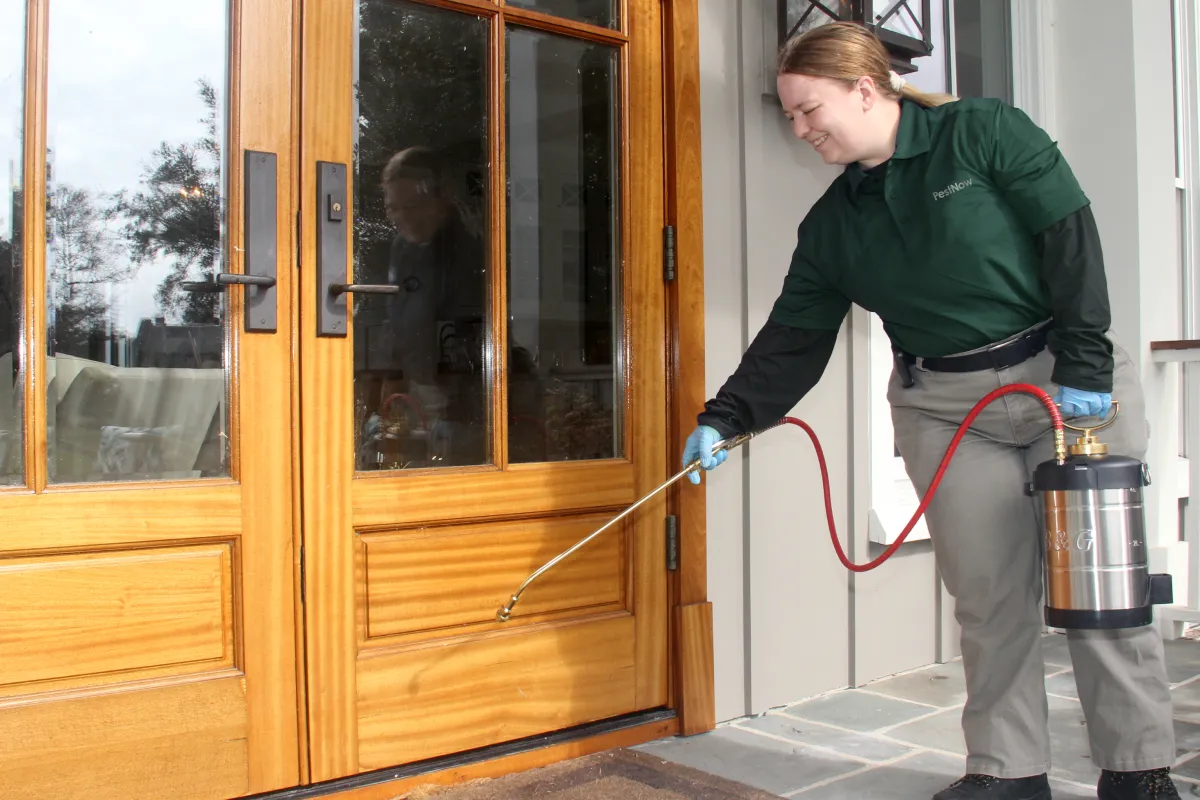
<point>146,566</point>
<point>449,581</point>
<point>429,700</point>
<point>98,517</point>
<point>519,490</point>
<point>184,738</point>
<point>74,617</point>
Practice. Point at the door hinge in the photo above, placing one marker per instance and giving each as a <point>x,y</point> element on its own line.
<point>672,543</point>
<point>669,253</point>
<point>303,582</point>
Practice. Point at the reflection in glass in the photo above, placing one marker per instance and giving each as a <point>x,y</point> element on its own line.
<point>564,397</point>
<point>596,12</point>
<point>134,211</point>
<point>421,391</point>
<point>12,124</point>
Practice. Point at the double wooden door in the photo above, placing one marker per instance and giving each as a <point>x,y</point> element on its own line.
<point>322,324</point>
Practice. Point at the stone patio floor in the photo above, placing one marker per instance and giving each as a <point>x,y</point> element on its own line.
<point>900,737</point>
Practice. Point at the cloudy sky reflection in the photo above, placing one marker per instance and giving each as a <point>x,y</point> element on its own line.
<point>122,79</point>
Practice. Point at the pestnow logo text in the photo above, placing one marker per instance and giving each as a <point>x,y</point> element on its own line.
<point>952,188</point>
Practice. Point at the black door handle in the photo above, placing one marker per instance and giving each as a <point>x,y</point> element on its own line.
<point>363,288</point>
<point>226,279</point>
<point>246,280</point>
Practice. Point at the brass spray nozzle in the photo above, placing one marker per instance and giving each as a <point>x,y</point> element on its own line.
<point>505,613</point>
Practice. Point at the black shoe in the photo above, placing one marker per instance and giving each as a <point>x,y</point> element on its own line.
<point>1150,784</point>
<point>986,787</point>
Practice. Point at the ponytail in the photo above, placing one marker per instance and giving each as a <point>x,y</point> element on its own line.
<point>847,51</point>
<point>925,99</point>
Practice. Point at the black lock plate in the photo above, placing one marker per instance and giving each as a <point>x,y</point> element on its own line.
<point>332,316</point>
<point>261,235</point>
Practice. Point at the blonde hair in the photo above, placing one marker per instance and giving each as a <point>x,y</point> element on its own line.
<point>847,51</point>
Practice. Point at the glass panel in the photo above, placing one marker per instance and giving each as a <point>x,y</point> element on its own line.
<point>12,124</point>
<point>801,16</point>
<point>564,392</point>
<point>596,12</point>
<point>135,209</point>
<point>905,18</point>
<point>983,49</point>
<point>422,396</point>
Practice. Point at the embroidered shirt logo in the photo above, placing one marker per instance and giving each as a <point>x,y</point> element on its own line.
<point>952,188</point>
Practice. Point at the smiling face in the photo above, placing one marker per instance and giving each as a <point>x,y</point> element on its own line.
<point>844,121</point>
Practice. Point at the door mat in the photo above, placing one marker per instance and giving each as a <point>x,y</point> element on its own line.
<point>622,774</point>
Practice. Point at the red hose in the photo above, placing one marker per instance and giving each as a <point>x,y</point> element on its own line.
<point>1056,419</point>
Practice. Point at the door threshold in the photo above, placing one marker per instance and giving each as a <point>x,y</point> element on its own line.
<point>352,783</point>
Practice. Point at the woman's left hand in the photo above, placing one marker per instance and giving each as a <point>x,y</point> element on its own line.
<point>1082,403</point>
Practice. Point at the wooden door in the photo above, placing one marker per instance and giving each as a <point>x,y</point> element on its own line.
<point>147,582</point>
<point>489,178</point>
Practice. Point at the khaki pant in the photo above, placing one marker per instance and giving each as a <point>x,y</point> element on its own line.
<point>986,541</point>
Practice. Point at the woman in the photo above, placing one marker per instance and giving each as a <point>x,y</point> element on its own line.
<point>961,225</point>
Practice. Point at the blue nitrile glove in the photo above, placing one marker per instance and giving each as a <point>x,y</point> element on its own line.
<point>699,445</point>
<point>1080,403</point>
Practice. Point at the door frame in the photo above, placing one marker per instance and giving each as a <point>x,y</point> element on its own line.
<point>691,635</point>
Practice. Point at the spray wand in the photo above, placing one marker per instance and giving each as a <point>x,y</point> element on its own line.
<point>1060,454</point>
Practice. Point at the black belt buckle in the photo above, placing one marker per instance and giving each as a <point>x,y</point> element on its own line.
<point>904,369</point>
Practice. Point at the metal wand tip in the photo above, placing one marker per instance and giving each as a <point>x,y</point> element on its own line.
<point>505,612</point>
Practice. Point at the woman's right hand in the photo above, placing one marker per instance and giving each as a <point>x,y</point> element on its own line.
<point>699,446</point>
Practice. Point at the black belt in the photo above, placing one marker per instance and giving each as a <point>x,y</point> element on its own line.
<point>1002,355</point>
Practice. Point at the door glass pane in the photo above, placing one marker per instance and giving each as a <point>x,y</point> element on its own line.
<point>596,12</point>
<point>12,102</point>
<point>422,396</point>
<point>135,210</point>
<point>564,393</point>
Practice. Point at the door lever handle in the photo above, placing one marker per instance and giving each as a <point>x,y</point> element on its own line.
<point>225,279</point>
<point>336,289</point>
<point>229,278</point>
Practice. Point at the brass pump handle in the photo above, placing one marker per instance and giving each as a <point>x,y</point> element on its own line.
<point>1116,409</point>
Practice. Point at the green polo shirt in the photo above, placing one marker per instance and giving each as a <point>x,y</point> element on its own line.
<point>940,241</point>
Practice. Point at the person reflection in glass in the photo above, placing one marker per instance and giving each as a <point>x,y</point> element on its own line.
<point>437,320</point>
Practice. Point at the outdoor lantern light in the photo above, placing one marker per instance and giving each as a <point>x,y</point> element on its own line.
<point>904,26</point>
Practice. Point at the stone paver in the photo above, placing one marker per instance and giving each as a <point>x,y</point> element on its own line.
<point>901,737</point>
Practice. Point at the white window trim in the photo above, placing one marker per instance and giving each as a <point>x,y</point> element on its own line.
<point>1187,33</point>
<point>1033,67</point>
<point>1187,108</point>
